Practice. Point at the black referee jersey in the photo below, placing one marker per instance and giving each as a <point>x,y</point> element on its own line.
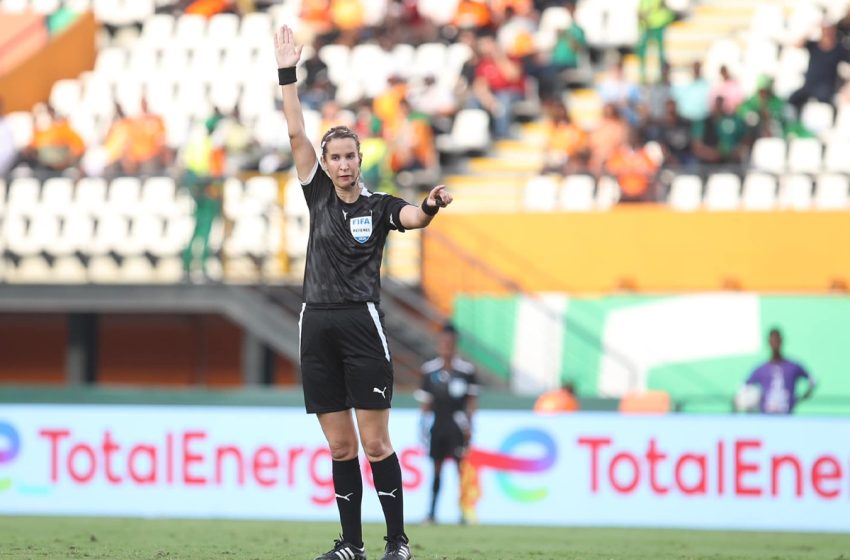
<point>346,241</point>
<point>448,389</point>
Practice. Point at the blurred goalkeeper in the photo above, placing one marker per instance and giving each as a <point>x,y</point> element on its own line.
<point>449,396</point>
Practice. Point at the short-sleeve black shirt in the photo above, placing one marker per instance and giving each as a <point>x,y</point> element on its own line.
<point>346,242</point>
<point>448,388</point>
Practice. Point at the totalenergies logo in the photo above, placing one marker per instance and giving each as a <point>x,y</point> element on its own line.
<point>10,445</point>
<point>506,461</point>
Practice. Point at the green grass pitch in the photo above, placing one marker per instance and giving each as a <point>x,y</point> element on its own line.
<point>25,538</point>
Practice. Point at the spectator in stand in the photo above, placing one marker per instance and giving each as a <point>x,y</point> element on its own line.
<point>692,98</point>
<point>821,81</point>
<point>729,89</point>
<point>499,83</point>
<point>404,14</point>
<point>473,14</point>
<point>500,8</point>
<point>618,90</point>
<point>567,143</point>
<point>673,133</point>
<point>436,100</point>
<point>720,139</point>
<point>8,151</point>
<point>653,19</point>
<point>764,112</point>
<point>516,34</point>
<point>386,106</point>
<point>411,142</point>
<point>316,15</point>
<point>570,44</point>
<point>466,80</point>
<point>55,145</point>
<point>635,170</point>
<point>137,145</point>
<point>658,94</point>
<point>348,17</point>
<point>612,132</point>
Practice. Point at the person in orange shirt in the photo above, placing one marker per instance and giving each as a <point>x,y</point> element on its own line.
<point>386,106</point>
<point>473,14</point>
<point>55,145</point>
<point>411,141</point>
<point>635,170</point>
<point>137,145</point>
<point>562,399</point>
<point>566,147</point>
<point>611,133</point>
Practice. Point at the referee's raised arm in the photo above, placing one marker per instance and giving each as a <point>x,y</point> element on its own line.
<point>288,55</point>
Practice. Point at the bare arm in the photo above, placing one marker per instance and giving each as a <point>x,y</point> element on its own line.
<point>288,55</point>
<point>413,217</point>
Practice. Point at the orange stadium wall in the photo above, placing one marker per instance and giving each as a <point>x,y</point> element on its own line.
<point>640,248</point>
<point>153,350</point>
<point>65,55</point>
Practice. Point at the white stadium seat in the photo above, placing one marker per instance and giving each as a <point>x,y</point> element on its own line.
<point>541,193</point>
<point>768,155</point>
<point>685,193</point>
<point>722,192</point>
<point>831,193</point>
<point>795,193</point>
<point>759,192</point>
<point>577,193</point>
<point>804,155</point>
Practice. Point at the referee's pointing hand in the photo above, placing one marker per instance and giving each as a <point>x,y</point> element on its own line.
<point>285,50</point>
<point>440,196</point>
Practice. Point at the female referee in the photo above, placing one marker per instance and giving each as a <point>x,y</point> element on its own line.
<point>345,361</point>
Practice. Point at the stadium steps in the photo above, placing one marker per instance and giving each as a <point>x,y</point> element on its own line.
<point>688,40</point>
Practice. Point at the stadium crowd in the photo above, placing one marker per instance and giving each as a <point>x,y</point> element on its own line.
<point>647,124</point>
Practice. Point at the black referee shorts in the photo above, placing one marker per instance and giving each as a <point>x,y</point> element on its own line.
<point>447,442</point>
<point>345,359</point>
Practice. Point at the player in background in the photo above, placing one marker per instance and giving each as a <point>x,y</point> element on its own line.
<point>777,380</point>
<point>449,396</point>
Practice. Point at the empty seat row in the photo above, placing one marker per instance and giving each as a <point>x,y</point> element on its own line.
<point>576,193</point>
<point>129,197</point>
<point>800,155</point>
<point>759,191</point>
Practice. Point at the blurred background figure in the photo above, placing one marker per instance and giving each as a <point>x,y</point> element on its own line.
<point>776,381</point>
<point>653,19</point>
<point>203,177</point>
<point>449,396</point>
<point>55,145</point>
<point>562,399</point>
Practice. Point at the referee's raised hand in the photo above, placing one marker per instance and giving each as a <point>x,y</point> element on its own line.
<point>439,197</point>
<point>285,50</point>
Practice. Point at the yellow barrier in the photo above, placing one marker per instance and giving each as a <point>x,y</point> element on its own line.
<point>640,248</point>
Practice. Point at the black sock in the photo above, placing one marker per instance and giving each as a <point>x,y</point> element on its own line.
<point>387,476</point>
<point>435,489</point>
<point>348,485</point>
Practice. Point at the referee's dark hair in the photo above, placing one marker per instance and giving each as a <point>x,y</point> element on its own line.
<point>449,328</point>
<point>336,132</point>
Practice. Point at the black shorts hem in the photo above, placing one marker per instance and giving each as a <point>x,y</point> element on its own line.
<point>326,410</point>
<point>381,407</point>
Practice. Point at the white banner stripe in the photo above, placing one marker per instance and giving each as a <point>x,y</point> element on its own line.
<point>377,320</point>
